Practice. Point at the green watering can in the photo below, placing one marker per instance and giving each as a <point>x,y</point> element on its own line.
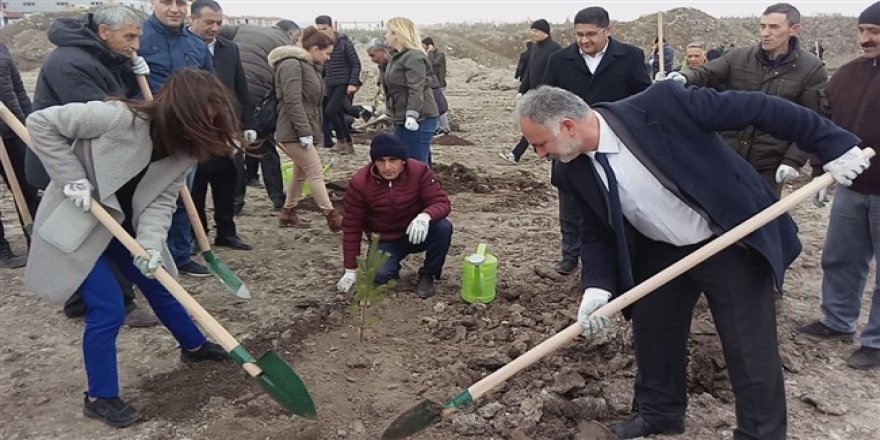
<point>287,174</point>
<point>479,277</point>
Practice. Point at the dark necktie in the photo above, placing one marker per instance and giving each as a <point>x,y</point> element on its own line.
<point>623,261</point>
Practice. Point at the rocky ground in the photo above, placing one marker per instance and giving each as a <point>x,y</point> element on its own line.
<point>416,349</point>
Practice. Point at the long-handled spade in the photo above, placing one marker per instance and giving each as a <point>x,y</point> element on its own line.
<point>275,376</point>
<point>216,266</point>
<point>429,412</point>
<point>20,204</point>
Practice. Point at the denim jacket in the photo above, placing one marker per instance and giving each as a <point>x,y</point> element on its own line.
<point>167,51</point>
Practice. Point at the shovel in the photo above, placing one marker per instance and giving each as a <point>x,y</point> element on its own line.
<point>275,376</point>
<point>216,266</point>
<point>20,204</point>
<point>429,412</point>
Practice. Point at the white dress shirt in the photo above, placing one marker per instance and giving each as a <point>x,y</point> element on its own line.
<point>211,46</point>
<point>648,206</point>
<point>593,60</point>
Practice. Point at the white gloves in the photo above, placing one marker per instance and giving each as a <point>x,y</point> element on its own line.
<point>80,193</point>
<point>848,166</point>
<point>411,124</point>
<point>677,77</point>
<point>660,76</point>
<point>821,197</point>
<point>306,141</point>
<point>347,280</point>
<point>418,228</point>
<point>593,299</point>
<point>785,173</point>
<point>149,263</point>
<point>139,67</point>
<point>250,136</point>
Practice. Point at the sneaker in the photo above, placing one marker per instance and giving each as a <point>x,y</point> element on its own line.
<point>8,260</point>
<point>209,351</point>
<point>366,113</point>
<point>233,242</point>
<point>865,358</point>
<point>566,267</point>
<point>509,157</point>
<point>139,318</point>
<point>114,412</point>
<point>425,286</point>
<point>193,269</point>
<point>818,330</point>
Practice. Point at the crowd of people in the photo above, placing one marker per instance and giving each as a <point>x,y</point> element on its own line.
<point>650,162</point>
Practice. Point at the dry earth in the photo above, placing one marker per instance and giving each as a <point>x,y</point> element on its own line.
<point>417,348</point>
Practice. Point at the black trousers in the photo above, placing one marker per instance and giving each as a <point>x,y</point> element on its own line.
<point>337,104</point>
<point>570,225</point>
<point>520,148</point>
<point>221,175</point>
<point>270,162</point>
<point>738,284</point>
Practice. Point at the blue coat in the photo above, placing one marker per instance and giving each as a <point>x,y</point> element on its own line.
<point>672,130</point>
<point>168,51</point>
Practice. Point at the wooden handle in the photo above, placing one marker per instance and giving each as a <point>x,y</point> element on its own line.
<point>16,125</point>
<point>16,189</point>
<point>142,81</point>
<point>208,323</point>
<point>660,54</point>
<point>713,247</point>
<point>201,235</point>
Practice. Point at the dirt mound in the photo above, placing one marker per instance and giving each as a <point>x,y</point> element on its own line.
<point>451,139</point>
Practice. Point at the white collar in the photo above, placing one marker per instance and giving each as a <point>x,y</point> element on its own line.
<point>598,54</point>
<point>609,143</point>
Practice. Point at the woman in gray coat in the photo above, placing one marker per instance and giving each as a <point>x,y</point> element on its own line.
<point>132,158</point>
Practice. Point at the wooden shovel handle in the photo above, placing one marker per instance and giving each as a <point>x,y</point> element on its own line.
<point>660,54</point>
<point>718,244</point>
<point>16,189</point>
<point>17,126</point>
<point>142,81</point>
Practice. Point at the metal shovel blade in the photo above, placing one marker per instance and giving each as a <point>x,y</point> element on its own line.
<point>222,272</point>
<point>282,383</point>
<point>417,418</point>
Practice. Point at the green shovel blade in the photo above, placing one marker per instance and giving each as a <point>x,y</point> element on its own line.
<point>282,383</point>
<point>230,280</point>
<point>423,415</point>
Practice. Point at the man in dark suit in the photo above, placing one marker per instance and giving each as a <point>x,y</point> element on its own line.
<point>653,182</point>
<point>597,68</point>
<point>221,174</point>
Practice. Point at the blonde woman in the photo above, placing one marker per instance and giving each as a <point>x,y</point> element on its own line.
<point>299,87</point>
<point>407,82</point>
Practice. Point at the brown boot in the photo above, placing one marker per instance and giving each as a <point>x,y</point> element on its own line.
<point>289,219</point>
<point>343,148</point>
<point>334,220</point>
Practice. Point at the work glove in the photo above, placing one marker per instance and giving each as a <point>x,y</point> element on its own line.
<point>250,136</point>
<point>660,76</point>
<point>306,141</point>
<point>411,124</point>
<point>147,264</point>
<point>821,197</point>
<point>848,166</point>
<point>348,279</point>
<point>418,228</point>
<point>677,77</point>
<point>140,67</point>
<point>593,299</point>
<point>80,193</point>
<point>785,173</point>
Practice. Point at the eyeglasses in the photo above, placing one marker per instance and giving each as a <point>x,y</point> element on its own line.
<point>589,35</point>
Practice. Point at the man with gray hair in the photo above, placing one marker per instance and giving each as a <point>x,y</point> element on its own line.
<point>91,63</point>
<point>653,183</point>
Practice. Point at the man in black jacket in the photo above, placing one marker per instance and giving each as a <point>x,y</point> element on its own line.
<point>597,68</point>
<point>91,63</point>
<point>533,74</point>
<point>220,174</point>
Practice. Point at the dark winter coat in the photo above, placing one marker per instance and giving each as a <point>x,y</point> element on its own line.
<point>299,88</point>
<point>254,44</point>
<point>344,67</point>
<point>668,60</point>
<point>438,64</point>
<point>522,63</point>
<point>799,77</point>
<point>12,92</point>
<point>539,55</point>
<point>168,51</point>
<point>408,86</point>
<point>375,205</point>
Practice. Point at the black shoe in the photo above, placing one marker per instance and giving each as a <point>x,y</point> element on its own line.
<point>566,266</point>
<point>254,182</point>
<point>233,242</point>
<point>425,286</point>
<point>637,427</point>
<point>207,352</point>
<point>8,260</point>
<point>821,331</point>
<point>865,358</point>
<point>114,412</point>
<point>193,269</point>
<point>366,113</point>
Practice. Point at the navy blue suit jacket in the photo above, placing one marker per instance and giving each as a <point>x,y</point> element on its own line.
<point>672,130</point>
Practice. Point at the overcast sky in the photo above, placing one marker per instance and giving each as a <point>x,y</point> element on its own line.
<point>440,11</point>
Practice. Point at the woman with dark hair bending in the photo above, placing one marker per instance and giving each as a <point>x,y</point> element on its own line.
<point>132,158</point>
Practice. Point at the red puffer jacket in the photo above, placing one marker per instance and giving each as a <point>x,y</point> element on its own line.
<point>373,204</point>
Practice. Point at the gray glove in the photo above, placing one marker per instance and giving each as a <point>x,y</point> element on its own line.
<point>148,264</point>
<point>592,300</point>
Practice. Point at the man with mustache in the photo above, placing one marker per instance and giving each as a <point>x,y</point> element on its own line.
<point>853,237</point>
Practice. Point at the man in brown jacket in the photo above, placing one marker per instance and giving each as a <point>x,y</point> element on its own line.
<point>777,66</point>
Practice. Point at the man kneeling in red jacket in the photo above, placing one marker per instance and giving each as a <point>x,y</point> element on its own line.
<point>402,201</point>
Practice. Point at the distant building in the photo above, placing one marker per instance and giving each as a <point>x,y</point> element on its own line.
<point>16,7</point>
<point>256,21</point>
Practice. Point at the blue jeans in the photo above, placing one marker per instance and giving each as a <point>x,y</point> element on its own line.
<point>853,238</point>
<point>435,247</point>
<point>418,142</point>
<point>180,239</point>
<point>105,314</point>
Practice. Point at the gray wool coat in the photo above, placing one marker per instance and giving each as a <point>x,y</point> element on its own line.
<point>105,143</point>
